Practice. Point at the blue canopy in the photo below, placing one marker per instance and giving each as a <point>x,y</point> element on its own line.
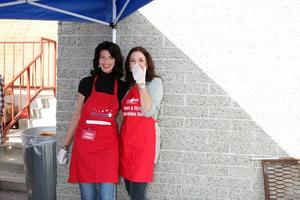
<point>107,12</point>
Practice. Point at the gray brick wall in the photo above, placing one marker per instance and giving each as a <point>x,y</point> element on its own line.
<point>207,139</point>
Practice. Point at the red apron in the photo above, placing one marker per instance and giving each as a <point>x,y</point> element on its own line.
<point>95,155</point>
<point>137,144</point>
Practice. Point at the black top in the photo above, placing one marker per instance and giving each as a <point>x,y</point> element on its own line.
<point>104,83</point>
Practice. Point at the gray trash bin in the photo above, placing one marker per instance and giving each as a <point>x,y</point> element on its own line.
<point>40,162</point>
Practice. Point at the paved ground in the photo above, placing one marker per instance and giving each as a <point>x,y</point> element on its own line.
<point>12,195</point>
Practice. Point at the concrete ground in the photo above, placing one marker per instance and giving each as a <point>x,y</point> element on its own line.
<point>12,195</point>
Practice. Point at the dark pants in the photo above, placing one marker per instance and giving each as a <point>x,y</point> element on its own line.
<point>136,190</point>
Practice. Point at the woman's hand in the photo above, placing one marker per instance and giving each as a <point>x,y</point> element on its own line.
<point>139,74</point>
<point>62,156</point>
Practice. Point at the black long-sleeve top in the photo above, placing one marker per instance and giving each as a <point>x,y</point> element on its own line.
<point>104,83</point>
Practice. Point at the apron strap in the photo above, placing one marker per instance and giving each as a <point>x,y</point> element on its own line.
<point>116,87</point>
<point>94,83</point>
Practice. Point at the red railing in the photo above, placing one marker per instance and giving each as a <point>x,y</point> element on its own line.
<point>39,74</point>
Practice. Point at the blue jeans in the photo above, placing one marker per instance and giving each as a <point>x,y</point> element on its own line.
<point>136,190</point>
<point>97,191</point>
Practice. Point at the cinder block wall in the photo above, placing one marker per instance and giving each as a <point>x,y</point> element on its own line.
<point>207,139</point>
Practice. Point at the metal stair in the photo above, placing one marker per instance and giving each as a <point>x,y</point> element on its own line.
<point>42,113</point>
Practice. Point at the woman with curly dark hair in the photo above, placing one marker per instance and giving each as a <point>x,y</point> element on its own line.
<point>140,134</point>
<point>95,153</point>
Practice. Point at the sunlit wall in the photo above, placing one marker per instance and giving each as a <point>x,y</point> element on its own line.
<point>251,48</point>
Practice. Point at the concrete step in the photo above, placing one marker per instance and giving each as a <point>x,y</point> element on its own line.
<point>24,123</point>
<point>43,112</point>
<point>12,195</point>
<point>43,122</point>
<point>43,107</point>
<point>29,123</point>
<point>11,165</point>
<point>41,101</point>
<point>11,153</point>
<point>13,182</point>
<point>35,113</point>
<point>44,102</point>
<point>14,138</point>
<point>48,102</point>
<point>12,175</point>
<point>49,113</point>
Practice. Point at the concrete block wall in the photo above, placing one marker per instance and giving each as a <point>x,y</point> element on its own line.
<point>208,140</point>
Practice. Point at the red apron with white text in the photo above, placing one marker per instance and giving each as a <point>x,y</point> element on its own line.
<point>137,144</point>
<point>95,153</point>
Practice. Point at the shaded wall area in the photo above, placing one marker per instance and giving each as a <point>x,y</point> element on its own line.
<point>207,138</point>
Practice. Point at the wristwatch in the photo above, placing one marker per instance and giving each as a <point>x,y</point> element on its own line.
<point>142,85</point>
<point>66,148</point>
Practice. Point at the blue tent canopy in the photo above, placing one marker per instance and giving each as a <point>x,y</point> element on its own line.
<point>68,10</point>
<point>108,12</point>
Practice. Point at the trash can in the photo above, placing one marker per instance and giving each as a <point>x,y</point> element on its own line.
<point>40,162</point>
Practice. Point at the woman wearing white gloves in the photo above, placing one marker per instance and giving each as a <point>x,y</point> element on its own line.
<point>95,153</point>
<point>140,137</point>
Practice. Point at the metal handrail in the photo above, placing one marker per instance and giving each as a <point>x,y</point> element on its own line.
<point>273,158</point>
<point>30,81</point>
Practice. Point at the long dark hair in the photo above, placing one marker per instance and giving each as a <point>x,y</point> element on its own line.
<point>150,74</point>
<point>115,52</point>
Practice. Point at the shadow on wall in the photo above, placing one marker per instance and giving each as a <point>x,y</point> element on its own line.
<point>208,140</point>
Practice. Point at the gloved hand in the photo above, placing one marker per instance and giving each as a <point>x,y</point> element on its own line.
<point>139,75</point>
<point>62,157</point>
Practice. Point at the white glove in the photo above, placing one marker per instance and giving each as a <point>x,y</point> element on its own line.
<point>62,157</point>
<point>139,74</point>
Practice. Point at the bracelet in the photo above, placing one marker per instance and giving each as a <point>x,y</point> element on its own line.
<point>142,85</point>
<point>66,148</point>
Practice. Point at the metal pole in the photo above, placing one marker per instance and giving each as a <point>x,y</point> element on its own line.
<point>114,16</point>
<point>114,35</point>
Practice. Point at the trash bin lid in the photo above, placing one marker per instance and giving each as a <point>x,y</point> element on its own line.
<point>36,135</point>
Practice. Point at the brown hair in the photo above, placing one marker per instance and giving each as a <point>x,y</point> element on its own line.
<point>150,74</point>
